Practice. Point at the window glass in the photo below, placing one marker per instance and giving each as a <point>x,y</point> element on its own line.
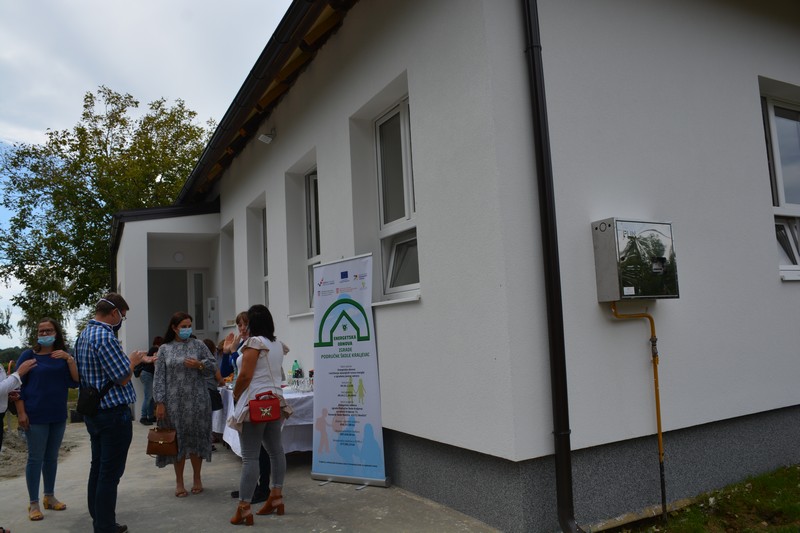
<point>405,270</point>
<point>787,126</point>
<point>312,215</point>
<point>391,161</point>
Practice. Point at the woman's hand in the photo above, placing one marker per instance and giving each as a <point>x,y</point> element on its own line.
<point>60,354</point>
<point>23,420</point>
<point>161,411</point>
<point>227,344</point>
<point>26,366</point>
<point>189,362</point>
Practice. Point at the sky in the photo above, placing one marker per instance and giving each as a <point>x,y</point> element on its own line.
<point>52,52</point>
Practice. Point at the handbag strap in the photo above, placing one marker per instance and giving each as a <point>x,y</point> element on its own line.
<point>107,386</point>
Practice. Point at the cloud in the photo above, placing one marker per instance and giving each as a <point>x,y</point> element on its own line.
<point>53,52</point>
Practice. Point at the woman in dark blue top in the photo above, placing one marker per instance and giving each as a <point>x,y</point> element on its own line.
<point>42,411</point>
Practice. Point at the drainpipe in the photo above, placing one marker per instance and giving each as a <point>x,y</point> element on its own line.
<point>552,271</point>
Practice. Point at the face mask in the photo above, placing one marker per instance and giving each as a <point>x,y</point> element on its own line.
<point>118,325</point>
<point>185,333</point>
<point>47,341</point>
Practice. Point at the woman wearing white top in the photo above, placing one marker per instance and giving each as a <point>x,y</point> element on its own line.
<point>8,384</point>
<point>260,371</point>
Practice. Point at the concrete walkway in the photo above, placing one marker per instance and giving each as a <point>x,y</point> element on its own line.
<point>147,503</point>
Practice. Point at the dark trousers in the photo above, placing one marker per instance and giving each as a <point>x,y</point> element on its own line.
<point>110,433</point>
<point>2,416</point>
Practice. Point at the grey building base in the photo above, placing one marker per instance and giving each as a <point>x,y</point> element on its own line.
<point>608,481</point>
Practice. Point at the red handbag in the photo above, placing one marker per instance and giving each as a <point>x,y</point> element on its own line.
<point>266,407</point>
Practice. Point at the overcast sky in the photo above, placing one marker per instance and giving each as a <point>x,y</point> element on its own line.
<point>53,51</point>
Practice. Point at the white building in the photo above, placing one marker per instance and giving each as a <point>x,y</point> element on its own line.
<point>416,133</point>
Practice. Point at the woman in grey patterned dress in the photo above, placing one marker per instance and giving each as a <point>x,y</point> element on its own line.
<point>182,401</point>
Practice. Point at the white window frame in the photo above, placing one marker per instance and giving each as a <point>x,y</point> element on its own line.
<point>313,243</point>
<point>787,215</point>
<point>404,228</point>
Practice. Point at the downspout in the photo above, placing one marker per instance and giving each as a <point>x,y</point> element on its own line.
<point>552,271</point>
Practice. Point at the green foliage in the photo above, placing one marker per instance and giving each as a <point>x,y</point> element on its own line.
<point>9,354</point>
<point>62,195</point>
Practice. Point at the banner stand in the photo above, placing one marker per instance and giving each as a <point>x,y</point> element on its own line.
<point>348,432</point>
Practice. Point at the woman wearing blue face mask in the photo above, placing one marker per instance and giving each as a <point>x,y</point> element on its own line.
<point>42,411</point>
<point>182,402</point>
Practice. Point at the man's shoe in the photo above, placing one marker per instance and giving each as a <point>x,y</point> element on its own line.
<point>145,422</point>
<point>122,528</point>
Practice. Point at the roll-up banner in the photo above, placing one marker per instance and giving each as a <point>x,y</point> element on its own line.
<point>348,436</point>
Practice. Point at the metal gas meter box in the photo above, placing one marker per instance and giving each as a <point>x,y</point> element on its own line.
<point>634,259</point>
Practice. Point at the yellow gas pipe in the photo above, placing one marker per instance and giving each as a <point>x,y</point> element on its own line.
<point>654,353</point>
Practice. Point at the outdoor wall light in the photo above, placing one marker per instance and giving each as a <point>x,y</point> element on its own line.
<point>267,138</point>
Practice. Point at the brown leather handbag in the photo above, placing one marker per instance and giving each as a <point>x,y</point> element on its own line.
<point>162,441</point>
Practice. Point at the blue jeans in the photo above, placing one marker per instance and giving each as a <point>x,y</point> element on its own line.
<point>44,440</point>
<point>147,403</point>
<point>110,433</point>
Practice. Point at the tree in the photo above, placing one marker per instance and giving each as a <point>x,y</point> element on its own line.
<point>63,193</point>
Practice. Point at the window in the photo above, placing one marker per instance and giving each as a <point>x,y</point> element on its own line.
<point>782,127</point>
<point>312,230</point>
<point>398,232</point>
<point>266,255</point>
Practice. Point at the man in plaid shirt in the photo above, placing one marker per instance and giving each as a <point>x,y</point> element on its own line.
<point>100,361</point>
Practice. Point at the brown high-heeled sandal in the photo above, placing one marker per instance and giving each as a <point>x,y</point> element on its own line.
<point>51,502</point>
<point>34,513</point>
<point>273,503</point>
<point>240,517</point>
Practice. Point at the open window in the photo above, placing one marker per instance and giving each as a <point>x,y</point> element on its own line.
<point>397,207</point>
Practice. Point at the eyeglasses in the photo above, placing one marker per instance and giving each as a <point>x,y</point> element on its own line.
<point>47,331</point>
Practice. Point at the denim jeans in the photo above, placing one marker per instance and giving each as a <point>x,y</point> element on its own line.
<point>44,440</point>
<point>110,433</point>
<point>147,403</point>
<point>252,438</point>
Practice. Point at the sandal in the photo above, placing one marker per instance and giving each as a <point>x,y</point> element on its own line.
<point>197,490</point>
<point>50,502</point>
<point>34,513</point>
<point>181,493</point>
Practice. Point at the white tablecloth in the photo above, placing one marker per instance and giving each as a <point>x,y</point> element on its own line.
<point>298,433</point>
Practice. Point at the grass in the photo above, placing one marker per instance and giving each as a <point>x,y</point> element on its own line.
<point>769,502</point>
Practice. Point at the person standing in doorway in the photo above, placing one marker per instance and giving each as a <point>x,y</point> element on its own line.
<point>101,360</point>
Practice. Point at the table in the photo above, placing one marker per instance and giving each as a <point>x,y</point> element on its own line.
<point>298,429</point>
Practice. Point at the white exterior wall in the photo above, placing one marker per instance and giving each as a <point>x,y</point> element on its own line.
<point>479,329</point>
<point>142,246</point>
<point>654,114</point>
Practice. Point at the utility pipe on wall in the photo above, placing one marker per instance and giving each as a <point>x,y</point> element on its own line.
<point>654,353</point>
<point>552,271</point>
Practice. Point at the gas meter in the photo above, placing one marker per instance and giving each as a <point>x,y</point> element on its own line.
<point>634,259</point>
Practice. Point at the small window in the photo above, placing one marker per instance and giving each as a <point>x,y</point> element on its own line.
<point>404,265</point>
<point>313,247</point>
<point>782,127</point>
<point>396,200</point>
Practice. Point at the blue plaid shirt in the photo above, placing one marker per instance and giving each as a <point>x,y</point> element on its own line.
<point>100,360</point>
